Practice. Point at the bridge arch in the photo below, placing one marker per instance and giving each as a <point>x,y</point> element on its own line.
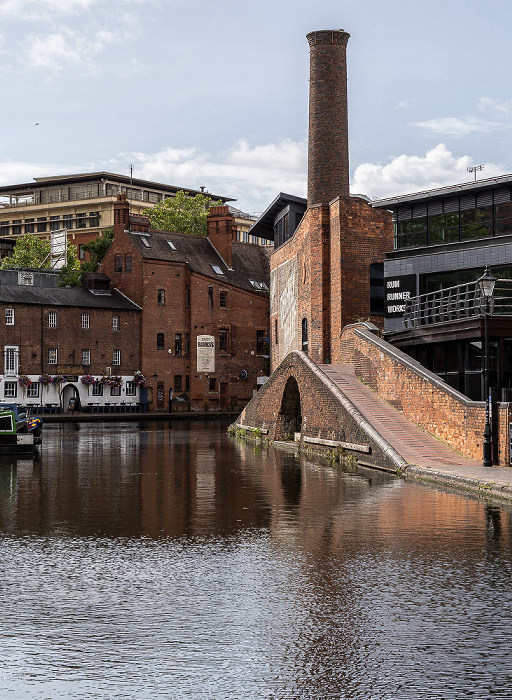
<point>290,413</point>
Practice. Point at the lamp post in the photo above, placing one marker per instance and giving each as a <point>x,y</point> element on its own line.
<point>486,284</point>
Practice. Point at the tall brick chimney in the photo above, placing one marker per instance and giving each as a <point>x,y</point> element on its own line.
<point>222,232</point>
<point>328,167</point>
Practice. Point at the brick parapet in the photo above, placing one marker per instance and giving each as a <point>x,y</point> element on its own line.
<point>421,395</point>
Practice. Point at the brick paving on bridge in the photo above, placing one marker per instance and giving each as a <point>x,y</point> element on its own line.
<point>413,444</point>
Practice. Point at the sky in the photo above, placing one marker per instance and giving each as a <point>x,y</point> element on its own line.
<point>214,93</point>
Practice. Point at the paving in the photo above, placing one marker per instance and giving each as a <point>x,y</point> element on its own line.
<point>426,456</point>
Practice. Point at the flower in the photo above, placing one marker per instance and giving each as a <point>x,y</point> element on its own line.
<point>111,380</point>
<point>139,379</point>
<point>58,379</point>
<point>23,380</point>
<point>87,379</point>
<point>45,379</point>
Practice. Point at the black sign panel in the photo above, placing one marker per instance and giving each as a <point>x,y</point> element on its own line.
<point>396,292</point>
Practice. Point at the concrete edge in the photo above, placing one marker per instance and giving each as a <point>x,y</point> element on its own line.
<point>483,488</point>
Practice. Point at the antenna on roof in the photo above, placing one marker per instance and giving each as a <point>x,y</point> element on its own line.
<point>475,169</point>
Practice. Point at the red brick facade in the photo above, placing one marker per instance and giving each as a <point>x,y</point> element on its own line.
<point>180,302</point>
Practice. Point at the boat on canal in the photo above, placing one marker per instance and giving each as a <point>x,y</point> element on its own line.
<point>19,433</point>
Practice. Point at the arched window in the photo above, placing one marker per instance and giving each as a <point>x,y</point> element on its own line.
<point>305,343</point>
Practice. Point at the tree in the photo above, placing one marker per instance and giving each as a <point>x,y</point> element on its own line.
<point>70,275</point>
<point>98,249</point>
<point>33,252</point>
<point>182,214</point>
<point>29,251</point>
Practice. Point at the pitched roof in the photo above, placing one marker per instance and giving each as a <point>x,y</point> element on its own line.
<point>250,262</point>
<point>65,296</point>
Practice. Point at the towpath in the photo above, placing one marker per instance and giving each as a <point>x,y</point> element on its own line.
<point>426,456</point>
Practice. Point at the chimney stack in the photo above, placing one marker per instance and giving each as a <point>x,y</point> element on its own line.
<point>328,166</point>
<point>222,232</point>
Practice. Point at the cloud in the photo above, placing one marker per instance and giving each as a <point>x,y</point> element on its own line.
<point>30,10</point>
<point>253,175</point>
<point>405,174</point>
<point>459,127</point>
<point>66,47</point>
<point>501,107</point>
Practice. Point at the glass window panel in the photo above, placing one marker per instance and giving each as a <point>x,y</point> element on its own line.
<point>474,356</point>
<point>476,231</point>
<point>477,215</point>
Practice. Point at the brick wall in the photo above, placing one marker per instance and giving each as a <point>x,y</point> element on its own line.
<point>298,387</point>
<point>421,395</point>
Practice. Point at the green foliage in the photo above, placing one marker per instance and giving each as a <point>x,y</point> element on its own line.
<point>182,214</point>
<point>29,251</point>
<point>70,275</point>
<point>98,249</point>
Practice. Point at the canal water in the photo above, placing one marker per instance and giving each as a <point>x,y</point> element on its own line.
<point>150,560</point>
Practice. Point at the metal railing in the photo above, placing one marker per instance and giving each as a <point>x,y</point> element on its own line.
<point>455,303</point>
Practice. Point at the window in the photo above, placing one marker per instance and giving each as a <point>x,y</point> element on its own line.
<point>223,300</point>
<point>29,226</point>
<point>171,245</point>
<point>118,263</point>
<point>145,241</point>
<point>81,220</point>
<point>261,343</point>
<point>81,252</point>
<point>116,323</point>
<point>177,344</point>
<point>213,384</point>
<point>116,357</point>
<point>67,221</point>
<point>223,340</point>
<point>305,343</point>
<point>94,218</point>
<point>128,263</point>
<point>52,356</point>
<point>97,389</point>
<point>161,297</point>
<point>16,227</point>
<point>177,383</point>
<point>86,357</point>
<point>85,321</point>
<point>33,390</point>
<point>5,229</point>
<point>52,319</point>
<point>10,389</point>
<point>9,317</point>
<point>217,270</point>
<point>131,389</point>
<point>41,224</point>
<point>160,341</point>
<point>54,223</point>
<point>115,391</point>
<point>11,360</point>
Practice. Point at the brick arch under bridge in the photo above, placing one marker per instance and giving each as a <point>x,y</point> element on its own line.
<point>300,398</point>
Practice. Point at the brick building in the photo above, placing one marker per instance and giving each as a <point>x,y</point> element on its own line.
<point>48,331</point>
<point>204,308</point>
<point>325,271</point>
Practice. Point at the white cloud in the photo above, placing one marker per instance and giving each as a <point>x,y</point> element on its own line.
<point>404,174</point>
<point>66,47</point>
<point>455,126</point>
<point>502,107</point>
<point>30,10</point>
<point>17,172</point>
<point>252,175</point>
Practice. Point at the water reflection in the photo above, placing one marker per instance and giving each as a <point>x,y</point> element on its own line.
<point>168,560</point>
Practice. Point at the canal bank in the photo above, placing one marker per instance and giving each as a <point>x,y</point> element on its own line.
<point>488,482</point>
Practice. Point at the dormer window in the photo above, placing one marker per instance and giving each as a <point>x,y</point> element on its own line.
<point>171,245</point>
<point>259,285</point>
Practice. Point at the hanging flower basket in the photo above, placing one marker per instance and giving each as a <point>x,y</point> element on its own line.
<point>111,380</point>
<point>24,381</point>
<point>139,379</point>
<point>59,380</point>
<point>87,379</point>
<point>46,380</point>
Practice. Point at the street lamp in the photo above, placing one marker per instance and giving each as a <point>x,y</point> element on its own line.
<point>486,284</point>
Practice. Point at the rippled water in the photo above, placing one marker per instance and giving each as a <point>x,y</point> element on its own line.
<point>140,561</point>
